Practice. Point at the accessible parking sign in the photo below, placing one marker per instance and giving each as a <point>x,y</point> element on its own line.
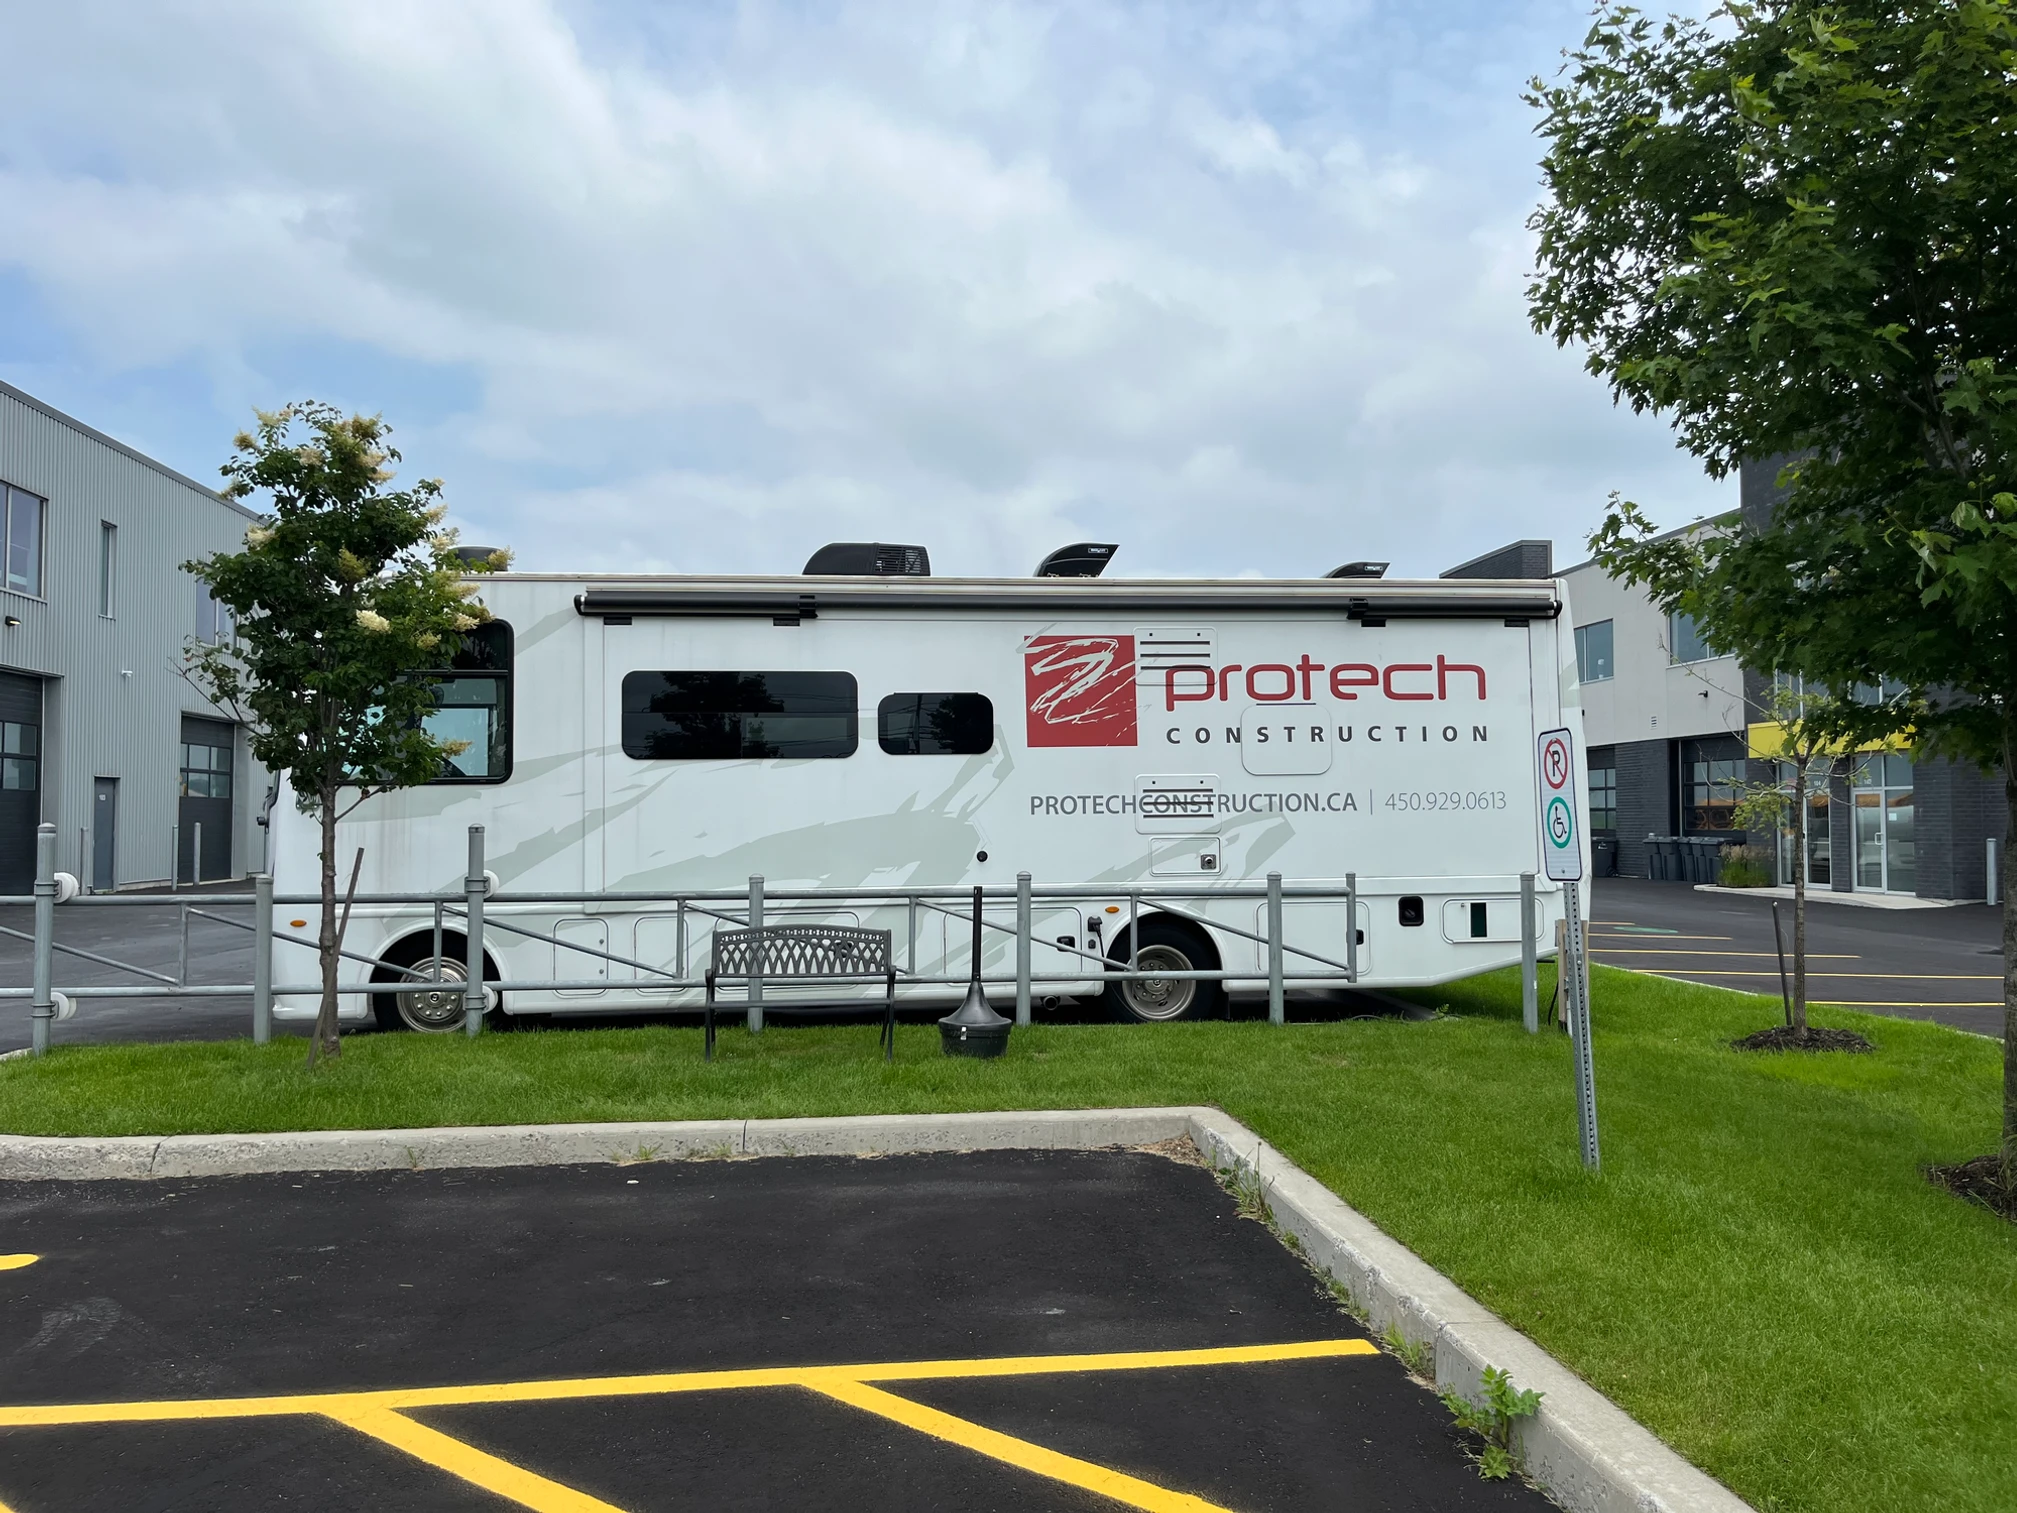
<point>1561,824</point>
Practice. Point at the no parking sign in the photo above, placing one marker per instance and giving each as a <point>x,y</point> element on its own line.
<point>1561,824</point>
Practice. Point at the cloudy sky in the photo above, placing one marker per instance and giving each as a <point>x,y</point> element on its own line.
<point>697,287</point>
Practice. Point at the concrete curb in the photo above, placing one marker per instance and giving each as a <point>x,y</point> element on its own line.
<point>1582,1448</point>
<point>1585,1451</point>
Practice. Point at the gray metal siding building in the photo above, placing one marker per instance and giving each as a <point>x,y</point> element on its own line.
<point>99,731</point>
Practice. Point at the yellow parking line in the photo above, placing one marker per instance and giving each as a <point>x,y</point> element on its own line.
<point>1020,1453</point>
<point>1654,935</point>
<point>1853,976</point>
<point>15,1263</point>
<point>526,1488</point>
<point>402,1398</point>
<point>1768,955</point>
<point>1896,1003</point>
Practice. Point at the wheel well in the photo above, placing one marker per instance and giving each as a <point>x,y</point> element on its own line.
<point>1207,958</point>
<point>411,948</point>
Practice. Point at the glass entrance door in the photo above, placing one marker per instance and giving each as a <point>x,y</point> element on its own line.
<point>1818,873</point>
<point>1881,796</point>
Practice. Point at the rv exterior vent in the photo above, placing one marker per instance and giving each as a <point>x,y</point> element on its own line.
<point>869,559</point>
<point>1082,559</point>
<point>1359,570</point>
<point>476,553</point>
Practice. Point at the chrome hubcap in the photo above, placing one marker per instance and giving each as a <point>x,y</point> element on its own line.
<point>435,1008</point>
<point>1160,997</point>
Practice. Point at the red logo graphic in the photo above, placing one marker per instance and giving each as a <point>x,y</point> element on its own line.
<point>1080,690</point>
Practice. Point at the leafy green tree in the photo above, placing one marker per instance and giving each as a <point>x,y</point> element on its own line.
<point>344,593</point>
<point>1792,229</point>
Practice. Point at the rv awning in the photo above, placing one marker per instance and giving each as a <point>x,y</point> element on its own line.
<point>806,599</point>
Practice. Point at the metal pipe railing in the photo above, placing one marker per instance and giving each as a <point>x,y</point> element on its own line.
<point>480,910</point>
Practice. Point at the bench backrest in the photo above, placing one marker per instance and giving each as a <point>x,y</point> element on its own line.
<point>785,951</point>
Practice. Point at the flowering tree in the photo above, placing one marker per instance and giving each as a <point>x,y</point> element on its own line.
<point>342,595</point>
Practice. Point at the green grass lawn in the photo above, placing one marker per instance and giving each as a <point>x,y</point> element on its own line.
<point>1760,1274</point>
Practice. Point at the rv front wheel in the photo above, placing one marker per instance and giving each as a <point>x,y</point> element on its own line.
<point>429,1009</point>
<point>1170,947</point>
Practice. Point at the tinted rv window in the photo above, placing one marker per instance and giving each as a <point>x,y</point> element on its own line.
<point>726,716</point>
<point>935,724</point>
<point>473,704</point>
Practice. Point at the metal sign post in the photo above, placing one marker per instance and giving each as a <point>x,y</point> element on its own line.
<point>1562,852</point>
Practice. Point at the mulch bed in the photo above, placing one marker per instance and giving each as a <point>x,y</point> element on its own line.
<point>1784,1037</point>
<point>1979,1181</point>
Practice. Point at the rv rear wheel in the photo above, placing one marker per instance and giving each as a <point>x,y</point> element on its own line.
<point>1173,947</point>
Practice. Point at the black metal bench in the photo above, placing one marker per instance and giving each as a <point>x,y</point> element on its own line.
<point>803,954</point>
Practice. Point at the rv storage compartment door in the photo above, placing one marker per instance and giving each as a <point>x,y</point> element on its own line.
<point>1492,919</point>
<point>578,966</point>
<point>1315,925</point>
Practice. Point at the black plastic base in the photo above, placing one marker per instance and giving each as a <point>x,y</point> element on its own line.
<point>975,1040</point>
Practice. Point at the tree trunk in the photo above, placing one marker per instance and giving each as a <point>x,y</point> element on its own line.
<point>1800,893</point>
<point>325,1041</point>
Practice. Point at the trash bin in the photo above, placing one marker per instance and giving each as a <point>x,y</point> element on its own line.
<point>1604,856</point>
<point>1663,858</point>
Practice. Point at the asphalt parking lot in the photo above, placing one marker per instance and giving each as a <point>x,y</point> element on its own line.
<point>147,937</point>
<point>1943,964</point>
<point>715,1334</point>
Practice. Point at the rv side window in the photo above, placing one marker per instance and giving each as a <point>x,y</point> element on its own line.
<point>935,724</point>
<point>725,716</point>
<point>473,704</point>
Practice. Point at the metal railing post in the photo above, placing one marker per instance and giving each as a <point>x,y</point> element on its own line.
<point>85,880</point>
<point>182,956</point>
<point>756,958</point>
<point>473,884</point>
<point>1277,1009</point>
<point>1352,927</point>
<point>1530,971</point>
<point>174,857</point>
<point>43,1008</point>
<point>1022,948</point>
<point>1993,894</point>
<point>262,959</point>
<point>196,853</point>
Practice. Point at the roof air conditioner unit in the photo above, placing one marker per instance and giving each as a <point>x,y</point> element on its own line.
<point>869,559</point>
<point>1082,559</point>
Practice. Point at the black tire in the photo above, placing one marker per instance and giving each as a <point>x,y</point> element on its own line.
<point>429,1011</point>
<point>1179,947</point>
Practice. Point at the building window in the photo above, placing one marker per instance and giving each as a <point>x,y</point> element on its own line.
<point>19,756</point>
<point>1712,777</point>
<point>1593,652</point>
<point>1684,639</point>
<point>472,698</point>
<point>738,716</point>
<point>213,618</point>
<point>206,771</point>
<point>108,556</point>
<point>1603,798</point>
<point>23,546</point>
<point>935,724</point>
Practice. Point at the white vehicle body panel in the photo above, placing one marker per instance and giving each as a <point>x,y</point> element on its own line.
<point>1229,730</point>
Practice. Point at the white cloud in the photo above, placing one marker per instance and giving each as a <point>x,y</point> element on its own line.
<point>732,283</point>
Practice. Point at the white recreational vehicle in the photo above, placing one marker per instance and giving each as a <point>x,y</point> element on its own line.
<point>676,736</point>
